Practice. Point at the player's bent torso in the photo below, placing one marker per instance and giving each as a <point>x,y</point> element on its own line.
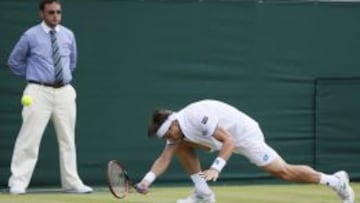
<point>199,120</point>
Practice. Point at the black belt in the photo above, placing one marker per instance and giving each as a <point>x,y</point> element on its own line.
<point>55,85</point>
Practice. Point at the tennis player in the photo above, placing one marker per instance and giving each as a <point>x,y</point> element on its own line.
<point>216,126</point>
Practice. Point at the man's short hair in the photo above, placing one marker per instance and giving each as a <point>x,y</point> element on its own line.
<point>44,2</point>
<point>157,119</point>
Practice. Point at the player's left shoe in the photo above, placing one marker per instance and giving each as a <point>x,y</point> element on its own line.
<point>17,191</point>
<point>80,189</point>
<point>344,190</point>
<point>197,197</point>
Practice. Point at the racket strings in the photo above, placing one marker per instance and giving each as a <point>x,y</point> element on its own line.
<point>118,181</point>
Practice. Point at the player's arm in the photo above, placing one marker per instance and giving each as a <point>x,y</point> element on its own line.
<point>163,161</point>
<point>227,141</point>
<point>225,153</point>
<point>73,54</point>
<point>159,166</point>
<point>17,60</point>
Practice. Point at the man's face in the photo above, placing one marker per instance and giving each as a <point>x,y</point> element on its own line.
<point>51,14</point>
<point>174,133</point>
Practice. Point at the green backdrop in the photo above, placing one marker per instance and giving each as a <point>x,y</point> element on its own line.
<point>272,59</point>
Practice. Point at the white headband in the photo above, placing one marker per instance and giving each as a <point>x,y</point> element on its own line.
<point>166,125</point>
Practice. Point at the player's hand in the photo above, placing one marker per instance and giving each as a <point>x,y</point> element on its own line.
<point>210,174</point>
<point>142,187</point>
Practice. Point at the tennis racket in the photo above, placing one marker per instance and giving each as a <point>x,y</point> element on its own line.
<point>118,180</point>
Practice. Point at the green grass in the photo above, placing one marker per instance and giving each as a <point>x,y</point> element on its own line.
<point>293,193</point>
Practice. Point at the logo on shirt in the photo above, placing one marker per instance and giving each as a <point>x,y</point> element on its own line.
<point>265,157</point>
<point>204,120</point>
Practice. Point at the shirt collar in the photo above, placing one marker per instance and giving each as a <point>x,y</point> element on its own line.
<point>47,29</point>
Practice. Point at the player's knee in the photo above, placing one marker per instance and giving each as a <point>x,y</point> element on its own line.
<point>184,151</point>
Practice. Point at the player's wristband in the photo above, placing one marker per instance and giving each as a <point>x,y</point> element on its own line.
<point>150,177</point>
<point>218,164</point>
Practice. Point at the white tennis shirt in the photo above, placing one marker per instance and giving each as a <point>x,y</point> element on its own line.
<point>199,120</point>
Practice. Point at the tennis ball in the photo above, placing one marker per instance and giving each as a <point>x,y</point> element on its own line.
<point>26,100</point>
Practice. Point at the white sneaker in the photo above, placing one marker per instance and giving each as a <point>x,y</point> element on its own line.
<point>80,189</point>
<point>196,197</point>
<point>344,190</point>
<point>17,191</point>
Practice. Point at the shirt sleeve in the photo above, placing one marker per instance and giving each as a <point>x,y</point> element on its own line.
<point>18,58</point>
<point>73,54</point>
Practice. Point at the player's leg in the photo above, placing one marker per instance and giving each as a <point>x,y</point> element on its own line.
<point>338,181</point>
<point>35,118</point>
<point>64,118</point>
<point>188,158</point>
<point>295,173</point>
<point>190,162</point>
<point>262,155</point>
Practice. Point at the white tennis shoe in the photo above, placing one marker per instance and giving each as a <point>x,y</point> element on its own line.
<point>79,189</point>
<point>196,197</point>
<point>344,190</point>
<point>17,191</point>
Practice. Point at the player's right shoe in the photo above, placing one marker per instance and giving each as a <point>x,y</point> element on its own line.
<point>197,197</point>
<point>344,190</point>
<point>17,191</point>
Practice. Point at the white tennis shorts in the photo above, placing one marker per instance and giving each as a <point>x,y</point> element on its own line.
<point>254,148</point>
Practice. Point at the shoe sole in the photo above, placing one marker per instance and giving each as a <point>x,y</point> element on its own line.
<point>345,175</point>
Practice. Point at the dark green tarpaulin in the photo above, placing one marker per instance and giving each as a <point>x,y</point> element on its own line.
<point>134,56</point>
